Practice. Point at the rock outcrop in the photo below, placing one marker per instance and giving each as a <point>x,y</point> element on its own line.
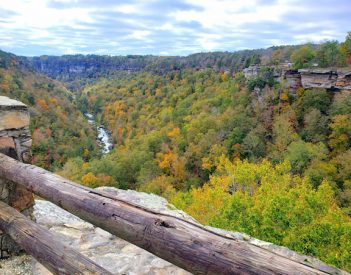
<point>318,78</point>
<point>251,71</point>
<point>331,79</point>
<point>115,254</point>
<point>343,82</point>
<point>15,136</point>
<point>15,141</point>
<point>292,79</point>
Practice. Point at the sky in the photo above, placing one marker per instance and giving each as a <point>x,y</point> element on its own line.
<point>162,27</point>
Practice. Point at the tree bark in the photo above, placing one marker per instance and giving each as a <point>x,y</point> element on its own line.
<point>44,246</point>
<point>183,243</point>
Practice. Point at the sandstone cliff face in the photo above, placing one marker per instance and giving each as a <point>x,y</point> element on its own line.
<point>15,141</point>
<point>251,71</point>
<point>318,78</point>
<point>115,254</point>
<point>292,80</point>
<point>343,81</point>
<point>307,78</point>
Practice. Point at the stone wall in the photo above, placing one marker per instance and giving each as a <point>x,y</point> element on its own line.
<point>15,141</point>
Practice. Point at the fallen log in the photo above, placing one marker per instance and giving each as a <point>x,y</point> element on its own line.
<point>183,243</point>
<point>44,246</point>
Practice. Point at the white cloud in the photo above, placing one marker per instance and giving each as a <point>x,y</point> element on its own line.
<point>161,27</point>
<point>139,34</point>
<point>209,42</point>
<point>231,13</point>
<point>127,9</point>
<point>37,14</point>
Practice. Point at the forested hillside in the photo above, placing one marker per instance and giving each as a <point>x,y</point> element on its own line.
<point>76,71</point>
<point>59,130</point>
<point>268,164</point>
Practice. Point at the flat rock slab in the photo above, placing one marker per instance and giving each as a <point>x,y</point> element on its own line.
<point>110,252</point>
<point>13,114</point>
<point>6,102</point>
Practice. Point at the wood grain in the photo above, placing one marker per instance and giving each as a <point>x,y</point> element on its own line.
<point>44,246</point>
<point>183,243</point>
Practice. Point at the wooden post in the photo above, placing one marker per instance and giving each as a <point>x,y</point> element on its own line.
<point>183,243</point>
<point>44,246</point>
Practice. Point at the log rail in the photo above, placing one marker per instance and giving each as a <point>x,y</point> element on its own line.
<point>183,243</point>
<point>41,243</point>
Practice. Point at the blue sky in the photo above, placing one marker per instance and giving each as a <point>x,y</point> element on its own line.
<point>176,27</point>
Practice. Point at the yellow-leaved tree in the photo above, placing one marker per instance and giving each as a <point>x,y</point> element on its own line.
<point>270,203</point>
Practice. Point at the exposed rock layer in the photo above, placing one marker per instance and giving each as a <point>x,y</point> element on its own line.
<point>339,79</point>
<point>292,80</point>
<point>317,78</point>
<point>15,141</point>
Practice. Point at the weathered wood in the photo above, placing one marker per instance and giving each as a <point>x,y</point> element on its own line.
<point>44,246</point>
<point>180,242</point>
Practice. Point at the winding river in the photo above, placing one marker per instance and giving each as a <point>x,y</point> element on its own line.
<point>103,137</point>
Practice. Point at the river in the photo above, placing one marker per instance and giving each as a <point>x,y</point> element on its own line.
<point>103,137</point>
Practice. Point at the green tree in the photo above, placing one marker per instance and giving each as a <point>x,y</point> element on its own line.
<point>328,54</point>
<point>315,126</point>
<point>345,49</point>
<point>277,57</point>
<point>303,56</point>
<point>278,207</point>
<point>340,137</point>
<point>315,98</point>
<point>283,134</point>
<point>253,145</point>
<point>300,154</point>
<point>341,104</point>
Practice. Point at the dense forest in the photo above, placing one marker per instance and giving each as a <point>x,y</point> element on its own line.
<point>77,71</point>
<point>240,154</point>
<point>59,130</point>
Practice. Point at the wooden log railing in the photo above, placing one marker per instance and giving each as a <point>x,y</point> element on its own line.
<point>183,243</point>
<point>37,241</point>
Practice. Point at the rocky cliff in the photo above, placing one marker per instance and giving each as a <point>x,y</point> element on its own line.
<point>115,254</point>
<point>318,78</point>
<point>332,79</point>
<point>78,70</point>
<point>321,78</point>
<point>292,80</point>
<point>325,78</point>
